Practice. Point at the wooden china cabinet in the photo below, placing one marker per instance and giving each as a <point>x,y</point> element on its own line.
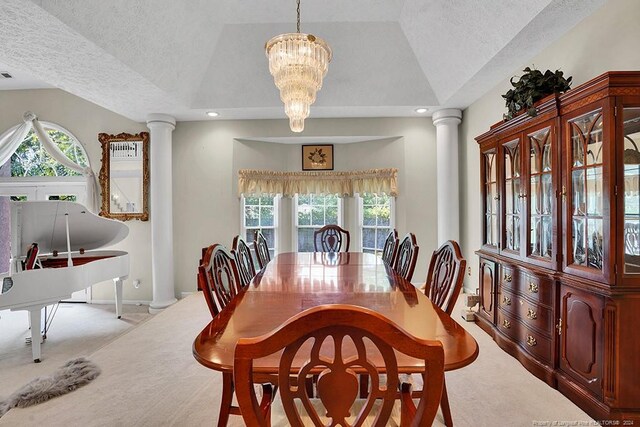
<point>560,260</point>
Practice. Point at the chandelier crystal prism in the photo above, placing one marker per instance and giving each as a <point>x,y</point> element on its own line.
<point>298,62</point>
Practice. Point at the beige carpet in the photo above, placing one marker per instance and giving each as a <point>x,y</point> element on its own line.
<point>150,378</point>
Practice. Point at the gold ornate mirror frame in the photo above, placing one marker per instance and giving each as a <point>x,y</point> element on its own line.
<point>109,143</point>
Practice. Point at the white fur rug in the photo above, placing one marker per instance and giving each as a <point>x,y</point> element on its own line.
<point>73,374</point>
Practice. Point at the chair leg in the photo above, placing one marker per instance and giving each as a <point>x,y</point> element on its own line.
<point>227,399</point>
<point>444,404</point>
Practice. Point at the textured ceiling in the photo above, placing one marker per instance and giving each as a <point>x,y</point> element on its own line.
<point>186,57</point>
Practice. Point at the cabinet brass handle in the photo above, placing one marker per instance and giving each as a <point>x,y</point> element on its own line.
<point>531,314</point>
<point>559,326</point>
<point>496,198</point>
<point>506,324</point>
<point>533,288</point>
<point>564,193</point>
<point>506,301</point>
<point>531,341</point>
<point>507,278</point>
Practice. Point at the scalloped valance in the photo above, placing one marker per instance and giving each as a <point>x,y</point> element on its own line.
<point>379,181</point>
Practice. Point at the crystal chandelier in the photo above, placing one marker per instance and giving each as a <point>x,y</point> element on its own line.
<point>298,62</point>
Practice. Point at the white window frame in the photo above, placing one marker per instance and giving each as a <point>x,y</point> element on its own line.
<point>361,226</point>
<point>276,221</point>
<point>40,188</point>
<point>296,226</point>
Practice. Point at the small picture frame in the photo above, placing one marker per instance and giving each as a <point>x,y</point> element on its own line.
<point>317,157</point>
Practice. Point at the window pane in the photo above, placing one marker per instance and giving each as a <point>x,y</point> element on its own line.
<point>332,215</point>
<point>331,200</point>
<point>368,238</point>
<point>369,216</point>
<point>66,198</point>
<point>384,216</point>
<point>304,199</point>
<point>368,199</point>
<point>266,216</point>
<point>305,239</point>
<point>251,200</point>
<point>251,216</point>
<point>317,216</point>
<point>381,237</point>
<point>270,236</point>
<point>266,200</point>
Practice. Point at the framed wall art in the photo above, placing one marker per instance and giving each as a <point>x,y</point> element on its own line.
<point>317,157</point>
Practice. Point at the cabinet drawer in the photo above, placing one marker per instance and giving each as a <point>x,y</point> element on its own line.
<point>532,315</point>
<point>535,289</point>
<point>508,275</point>
<point>535,343</point>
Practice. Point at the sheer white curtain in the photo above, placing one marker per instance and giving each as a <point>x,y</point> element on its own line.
<point>10,140</point>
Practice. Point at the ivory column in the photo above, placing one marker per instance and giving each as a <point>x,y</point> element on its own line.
<point>448,193</point>
<point>161,127</point>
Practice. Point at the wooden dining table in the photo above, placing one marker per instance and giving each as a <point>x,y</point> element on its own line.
<point>294,282</point>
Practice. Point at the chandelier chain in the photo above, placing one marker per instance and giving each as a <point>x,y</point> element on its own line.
<point>298,11</point>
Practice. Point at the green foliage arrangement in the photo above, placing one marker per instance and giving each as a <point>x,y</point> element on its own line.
<point>532,87</point>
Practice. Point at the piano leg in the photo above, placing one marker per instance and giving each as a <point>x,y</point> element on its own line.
<point>35,318</point>
<point>117,282</point>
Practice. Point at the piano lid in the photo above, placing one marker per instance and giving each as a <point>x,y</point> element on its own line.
<point>43,222</point>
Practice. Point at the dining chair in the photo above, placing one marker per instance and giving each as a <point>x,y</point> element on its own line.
<point>443,285</point>
<point>218,276</point>
<point>331,238</point>
<point>406,257</point>
<point>242,254</point>
<point>390,248</point>
<point>317,337</point>
<point>261,249</point>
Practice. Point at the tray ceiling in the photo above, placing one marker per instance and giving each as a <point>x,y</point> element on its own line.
<point>186,57</point>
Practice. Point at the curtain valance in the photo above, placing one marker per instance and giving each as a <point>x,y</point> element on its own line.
<point>379,181</point>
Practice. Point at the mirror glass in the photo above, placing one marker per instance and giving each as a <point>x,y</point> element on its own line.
<point>124,176</point>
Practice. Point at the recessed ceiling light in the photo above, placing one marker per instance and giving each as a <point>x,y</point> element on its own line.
<point>421,110</point>
<point>212,114</point>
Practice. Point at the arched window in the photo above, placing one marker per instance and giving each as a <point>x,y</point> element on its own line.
<point>31,159</point>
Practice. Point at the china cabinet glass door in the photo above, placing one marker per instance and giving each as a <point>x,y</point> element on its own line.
<point>540,216</point>
<point>490,176</point>
<point>588,221</point>
<point>513,196</point>
<point>631,190</point>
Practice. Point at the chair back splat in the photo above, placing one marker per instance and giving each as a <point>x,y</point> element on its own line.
<point>244,260</point>
<point>445,276</point>
<point>314,343</point>
<point>390,248</point>
<point>218,276</point>
<point>261,249</point>
<point>331,238</point>
<point>407,257</point>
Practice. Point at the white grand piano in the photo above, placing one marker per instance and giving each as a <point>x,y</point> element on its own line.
<point>66,233</point>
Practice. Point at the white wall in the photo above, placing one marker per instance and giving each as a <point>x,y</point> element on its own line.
<point>207,159</point>
<point>85,120</point>
<point>605,41</point>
